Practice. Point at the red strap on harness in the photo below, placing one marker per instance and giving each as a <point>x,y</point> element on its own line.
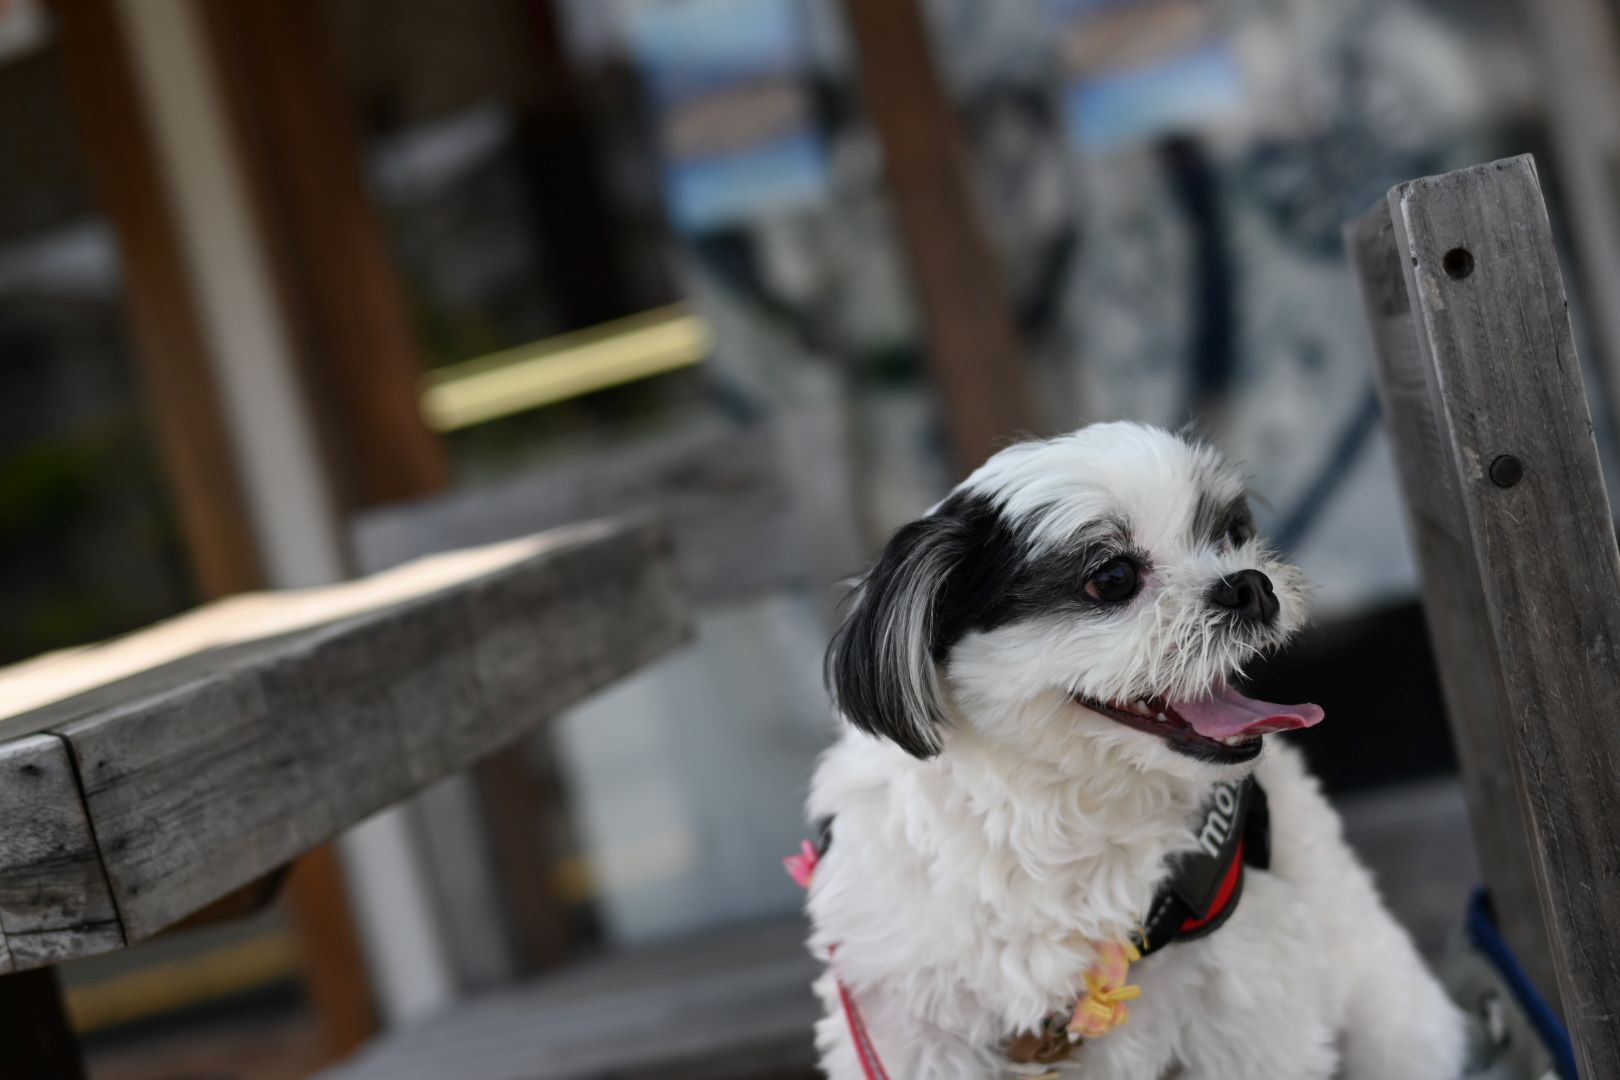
<point>1223,899</point>
<point>865,1050</point>
<point>803,868</point>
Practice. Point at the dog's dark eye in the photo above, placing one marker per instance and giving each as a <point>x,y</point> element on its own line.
<point>1239,534</point>
<point>1114,582</point>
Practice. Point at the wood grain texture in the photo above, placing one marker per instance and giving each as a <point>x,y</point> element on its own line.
<point>1453,603</point>
<point>973,344</point>
<point>1507,381</point>
<point>55,902</point>
<point>207,772</point>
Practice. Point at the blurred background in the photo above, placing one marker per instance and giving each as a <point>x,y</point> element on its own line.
<point>294,290</point>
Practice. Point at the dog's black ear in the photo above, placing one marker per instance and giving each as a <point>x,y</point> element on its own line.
<point>882,663</point>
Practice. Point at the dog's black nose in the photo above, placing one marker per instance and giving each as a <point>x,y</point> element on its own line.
<point>1246,594</point>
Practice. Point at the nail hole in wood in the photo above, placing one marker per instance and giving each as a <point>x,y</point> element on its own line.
<point>1506,470</point>
<point>1458,263</point>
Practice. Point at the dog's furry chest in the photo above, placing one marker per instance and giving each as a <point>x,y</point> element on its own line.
<point>980,917</point>
<point>987,910</point>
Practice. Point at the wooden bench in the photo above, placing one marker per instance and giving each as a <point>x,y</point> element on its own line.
<point>728,1005</point>
<point>1482,395</point>
<point>144,779</point>
<point>753,511</point>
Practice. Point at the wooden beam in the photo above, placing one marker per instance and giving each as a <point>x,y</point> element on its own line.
<point>731,1004</point>
<point>973,343</point>
<point>752,510</point>
<point>360,364</point>
<point>55,901</point>
<point>197,451</point>
<point>176,372</point>
<point>356,347</point>
<point>1453,604</point>
<point>1492,326</point>
<point>233,739</point>
<point>579,231</point>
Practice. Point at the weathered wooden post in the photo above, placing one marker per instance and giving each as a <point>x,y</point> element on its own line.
<point>1483,398</point>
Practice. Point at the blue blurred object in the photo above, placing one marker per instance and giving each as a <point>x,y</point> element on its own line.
<point>1175,94</point>
<point>728,85</point>
<point>1488,942</point>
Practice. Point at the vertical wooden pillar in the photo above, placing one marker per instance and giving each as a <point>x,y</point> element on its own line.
<point>330,258</point>
<point>180,386</point>
<point>973,343</point>
<point>197,448</point>
<point>356,348</point>
<point>577,229</point>
<point>334,963</point>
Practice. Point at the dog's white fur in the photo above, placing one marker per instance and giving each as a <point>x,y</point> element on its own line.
<point>964,891</point>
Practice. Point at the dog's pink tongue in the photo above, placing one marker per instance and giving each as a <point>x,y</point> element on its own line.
<point>1229,713</point>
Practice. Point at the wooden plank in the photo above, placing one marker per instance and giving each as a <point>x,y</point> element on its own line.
<point>1482,272</point>
<point>198,459</point>
<point>363,714</point>
<point>973,342</point>
<point>1405,383</point>
<point>240,903</point>
<point>54,897</point>
<point>1453,604</point>
<point>731,1004</point>
<point>750,510</point>
<point>217,767</point>
<point>87,674</point>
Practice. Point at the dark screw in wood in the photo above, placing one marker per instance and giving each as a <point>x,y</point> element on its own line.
<point>1506,471</point>
<point>1458,263</point>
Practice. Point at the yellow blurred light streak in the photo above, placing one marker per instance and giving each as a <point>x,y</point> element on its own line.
<point>568,366</point>
<point>229,969</point>
<point>635,864</point>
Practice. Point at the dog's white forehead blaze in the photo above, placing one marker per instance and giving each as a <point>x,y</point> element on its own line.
<point>1063,486</point>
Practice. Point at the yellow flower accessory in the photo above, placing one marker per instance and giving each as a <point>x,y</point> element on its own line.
<point>1102,1007</point>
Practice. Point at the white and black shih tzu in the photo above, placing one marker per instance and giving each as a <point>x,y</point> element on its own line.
<point>1053,811</point>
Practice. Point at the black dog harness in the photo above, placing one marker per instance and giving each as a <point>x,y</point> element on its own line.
<point>1206,883</point>
<point>1201,893</point>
